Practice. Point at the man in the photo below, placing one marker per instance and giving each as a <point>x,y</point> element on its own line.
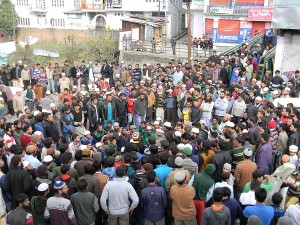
<point>243,172</point>
<point>25,138</point>
<point>67,124</point>
<point>94,114</point>
<point>85,160</point>
<point>140,110</point>
<point>265,213</point>
<point>18,101</point>
<point>8,138</point>
<point>16,180</point>
<point>160,99</point>
<point>50,129</point>
<point>170,104</point>
<point>47,101</point>
<point>173,45</point>
<point>121,109</point>
<point>108,112</point>
<point>178,167</point>
<point>20,215</point>
<point>59,210</point>
<point>153,199</point>
<point>237,153</point>
<point>292,213</point>
<point>188,163</point>
<point>264,154</point>
<point>31,152</point>
<point>162,171</point>
<point>85,204</point>
<point>183,208</point>
<point>93,184</point>
<point>217,214</point>
<point>106,71</point>
<point>220,106</point>
<point>281,145</point>
<point>177,76</point>
<point>196,111</point>
<point>115,199</point>
<point>202,188</point>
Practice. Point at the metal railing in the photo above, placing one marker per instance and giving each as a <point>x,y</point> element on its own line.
<point>251,42</point>
<point>266,62</point>
<point>164,47</point>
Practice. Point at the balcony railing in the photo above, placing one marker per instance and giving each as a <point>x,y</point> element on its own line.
<point>110,4</point>
<point>37,7</point>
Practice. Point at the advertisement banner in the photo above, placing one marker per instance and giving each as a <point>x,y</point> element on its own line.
<point>229,27</point>
<point>209,26</point>
<point>245,34</point>
<point>260,14</point>
<point>228,38</point>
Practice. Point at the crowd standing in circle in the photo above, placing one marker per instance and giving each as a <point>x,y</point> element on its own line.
<point>177,144</point>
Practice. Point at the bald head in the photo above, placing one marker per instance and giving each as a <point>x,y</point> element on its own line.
<point>285,159</point>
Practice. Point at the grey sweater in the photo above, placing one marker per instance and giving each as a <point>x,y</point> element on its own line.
<point>85,207</point>
<point>212,217</point>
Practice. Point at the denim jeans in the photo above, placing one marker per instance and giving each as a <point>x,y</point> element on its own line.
<point>130,116</point>
<point>67,137</point>
<point>56,83</point>
<point>136,120</point>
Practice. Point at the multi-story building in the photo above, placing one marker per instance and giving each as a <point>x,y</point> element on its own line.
<point>234,21</point>
<point>91,14</point>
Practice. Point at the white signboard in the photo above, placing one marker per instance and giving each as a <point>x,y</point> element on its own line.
<point>220,10</point>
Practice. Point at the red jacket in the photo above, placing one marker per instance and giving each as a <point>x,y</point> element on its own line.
<point>130,101</point>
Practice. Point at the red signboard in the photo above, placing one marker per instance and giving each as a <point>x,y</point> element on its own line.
<point>209,26</point>
<point>259,26</point>
<point>260,14</point>
<point>229,27</point>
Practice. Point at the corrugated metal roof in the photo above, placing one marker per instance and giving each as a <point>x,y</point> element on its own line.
<point>143,21</point>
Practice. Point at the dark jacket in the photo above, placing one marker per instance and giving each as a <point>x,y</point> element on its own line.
<point>196,114</point>
<point>79,166</point>
<point>105,71</point>
<point>51,131</point>
<point>140,107</point>
<point>154,200</point>
<point>104,110</point>
<point>17,181</point>
<point>219,159</point>
<point>92,114</point>
<point>121,107</point>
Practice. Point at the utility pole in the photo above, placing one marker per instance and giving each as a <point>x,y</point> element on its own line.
<point>188,5</point>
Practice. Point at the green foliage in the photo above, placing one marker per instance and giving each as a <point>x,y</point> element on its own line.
<point>102,46</point>
<point>8,17</point>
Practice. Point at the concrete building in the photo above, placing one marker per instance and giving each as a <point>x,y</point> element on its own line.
<point>96,14</point>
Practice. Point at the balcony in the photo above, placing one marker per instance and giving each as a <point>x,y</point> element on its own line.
<point>225,10</point>
<point>110,4</point>
<point>37,8</point>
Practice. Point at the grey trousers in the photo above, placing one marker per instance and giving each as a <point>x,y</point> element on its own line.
<point>118,219</point>
<point>185,222</point>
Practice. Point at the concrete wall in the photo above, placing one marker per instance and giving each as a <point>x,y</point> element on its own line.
<point>197,24</point>
<point>49,34</point>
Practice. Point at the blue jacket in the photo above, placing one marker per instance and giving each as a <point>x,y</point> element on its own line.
<point>39,126</point>
<point>154,200</point>
<point>162,171</point>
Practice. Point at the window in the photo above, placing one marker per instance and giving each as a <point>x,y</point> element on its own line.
<point>57,22</point>
<point>41,19</point>
<point>40,4</point>
<point>77,3</point>
<point>22,2</point>
<point>24,21</point>
<point>58,3</point>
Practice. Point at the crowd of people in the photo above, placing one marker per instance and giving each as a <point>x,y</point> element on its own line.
<point>103,143</point>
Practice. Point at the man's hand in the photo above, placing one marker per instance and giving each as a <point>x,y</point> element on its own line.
<point>130,210</point>
<point>268,177</point>
<point>107,213</point>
